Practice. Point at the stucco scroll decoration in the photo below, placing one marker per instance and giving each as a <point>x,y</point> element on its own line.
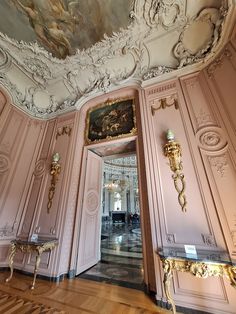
<point>166,13</point>
<point>157,71</point>
<point>5,60</point>
<point>40,71</point>
<point>210,21</point>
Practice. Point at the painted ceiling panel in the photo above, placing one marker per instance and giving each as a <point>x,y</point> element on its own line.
<point>63,26</point>
<point>67,51</point>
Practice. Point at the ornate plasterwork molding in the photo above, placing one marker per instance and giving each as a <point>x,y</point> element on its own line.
<point>218,62</point>
<point>5,60</point>
<point>64,130</point>
<point>212,19</point>
<point>166,13</point>
<point>4,163</point>
<point>122,58</point>
<point>164,103</point>
<point>7,231</point>
<point>211,139</point>
<point>220,163</point>
<point>209,240</point>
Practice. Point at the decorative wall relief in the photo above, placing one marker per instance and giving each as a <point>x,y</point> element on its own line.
<point>55,171</point>
<point>170,238</point>
<point>209,239</point>
<point>5,60</point>
<point>118,58</point>
<point>4,163</point>
<point>166,13</point>
<point>172,150</point>
<point>218,62</point>
<point>192,48</point>
<point>64,130</point>
<point>111,119</point>
<point>7,231</point>
<point>211,138</point>
<point>164,103</point>
<point>40,167</point>
<point>220,163</point>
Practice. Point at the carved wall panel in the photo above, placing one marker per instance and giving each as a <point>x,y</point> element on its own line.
<point>195,222</point>
<point>221,78</point>
<point>19,137</point>
<point>198,129</point>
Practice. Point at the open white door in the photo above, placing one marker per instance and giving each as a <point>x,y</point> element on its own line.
<point>89,240</point>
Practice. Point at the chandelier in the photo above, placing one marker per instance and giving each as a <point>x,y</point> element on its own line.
<point>111,186</point>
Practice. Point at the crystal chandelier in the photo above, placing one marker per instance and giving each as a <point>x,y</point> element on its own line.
<point>111,186</point>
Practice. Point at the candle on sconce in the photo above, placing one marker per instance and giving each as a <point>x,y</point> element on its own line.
<point>170,135</point>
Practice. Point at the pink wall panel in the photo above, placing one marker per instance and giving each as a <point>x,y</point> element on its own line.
<point>199,129</point>
<point>3,101</point>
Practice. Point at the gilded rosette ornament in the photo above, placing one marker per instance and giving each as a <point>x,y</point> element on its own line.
<point>172,150</point>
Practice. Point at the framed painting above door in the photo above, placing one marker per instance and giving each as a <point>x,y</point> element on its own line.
<point>109,120</point>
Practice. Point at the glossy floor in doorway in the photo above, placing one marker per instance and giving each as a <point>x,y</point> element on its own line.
<point>121,256</point>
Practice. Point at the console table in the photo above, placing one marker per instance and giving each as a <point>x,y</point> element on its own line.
<point>25,246</point>
<point>202,265</point>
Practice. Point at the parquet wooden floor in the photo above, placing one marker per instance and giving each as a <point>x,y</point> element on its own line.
<point>81,296</point>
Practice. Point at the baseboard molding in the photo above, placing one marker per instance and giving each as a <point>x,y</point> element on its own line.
<point>48,278</point>
<point>180,309</point>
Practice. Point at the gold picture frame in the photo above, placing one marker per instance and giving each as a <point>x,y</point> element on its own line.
<point>110,120</point>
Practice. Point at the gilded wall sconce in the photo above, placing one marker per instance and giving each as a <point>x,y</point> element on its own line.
<point>172,150</point>
<point>55,171</point>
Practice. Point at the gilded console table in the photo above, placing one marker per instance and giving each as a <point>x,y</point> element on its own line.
<point>204,264</point>
<point>25,246</point>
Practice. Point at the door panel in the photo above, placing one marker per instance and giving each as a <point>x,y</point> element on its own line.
<point>89,242</point>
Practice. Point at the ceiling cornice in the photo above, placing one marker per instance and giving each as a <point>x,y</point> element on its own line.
<point>44,86</point>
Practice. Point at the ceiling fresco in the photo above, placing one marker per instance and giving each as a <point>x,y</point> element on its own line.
<point>62,26</point>
<point>55,55</point>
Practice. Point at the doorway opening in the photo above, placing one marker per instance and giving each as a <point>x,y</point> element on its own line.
<point>121,258</point>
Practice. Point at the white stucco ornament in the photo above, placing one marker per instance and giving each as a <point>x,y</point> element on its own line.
<point>158,41</point>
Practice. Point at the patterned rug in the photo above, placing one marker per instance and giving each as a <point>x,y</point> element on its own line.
<point>12,304</point>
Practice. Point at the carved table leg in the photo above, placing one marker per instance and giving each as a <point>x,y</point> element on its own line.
<point>11,258</point>
<point>37,262</point>
<point>232,275</point>
<point>167,267</point>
